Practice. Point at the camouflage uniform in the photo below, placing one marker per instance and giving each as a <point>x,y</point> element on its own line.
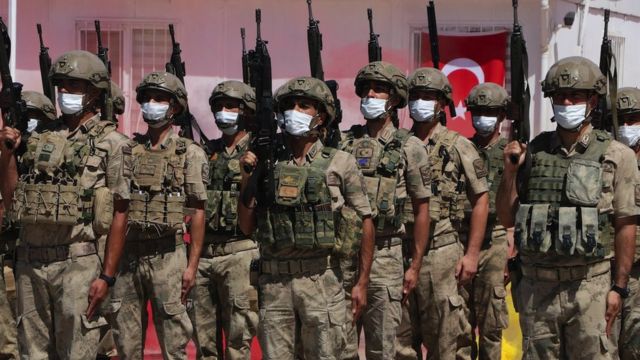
<point>8,334</point>
<point>223,287</point>
<point>155,255</point>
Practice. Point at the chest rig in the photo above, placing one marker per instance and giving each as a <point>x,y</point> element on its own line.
<point>50,190</point>
<point>223,190</point>
<point>494,160</point>
<point>447,201</point>
<point>560,214</point>
<point>157,196</point>
<point>381,164</point>
<point>301,215</point>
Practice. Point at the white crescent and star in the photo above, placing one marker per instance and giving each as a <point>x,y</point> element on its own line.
<point>465,64</point>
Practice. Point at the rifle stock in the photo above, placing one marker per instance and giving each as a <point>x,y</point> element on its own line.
<point>14,109</point>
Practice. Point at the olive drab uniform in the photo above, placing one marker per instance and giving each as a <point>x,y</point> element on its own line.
<point>564,235</point>
<point>395,169</point>
<point>63,203</point>
<point>299,233</point>
<point>8,335</point>
<point>441,321</point>
<point>155,256</point>
<point>223,293</point>
<point>487,293</point>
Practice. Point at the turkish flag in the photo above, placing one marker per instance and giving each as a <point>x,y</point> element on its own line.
<point>467,60</point>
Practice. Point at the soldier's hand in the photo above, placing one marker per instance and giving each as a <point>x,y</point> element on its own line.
<point>466,269</point>
<point>410,282</point>
<point>97,293</point>
<point>614,304</point>
<point>248,162</point>
<point>11,136</point>
<point>188,282</point>
<point>358,301</point>
<point>514,155</point>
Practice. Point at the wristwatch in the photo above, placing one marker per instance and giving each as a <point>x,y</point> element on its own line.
<point>624,292</point>
<point>108,279</point>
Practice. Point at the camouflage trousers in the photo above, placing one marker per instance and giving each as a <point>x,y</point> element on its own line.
<point>486,299</point>
<point>564,320</point>
<point>8,333</point>
<point>149,274</point>
<point>52,301</point>
<point>625,336</point>
<point>349,269</point>
<point>305,308</point>
<point>442,314</point>
<point>381,318</point>
<point>223,289</point>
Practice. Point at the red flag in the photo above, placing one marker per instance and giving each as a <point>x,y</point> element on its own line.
<point>468,60</point>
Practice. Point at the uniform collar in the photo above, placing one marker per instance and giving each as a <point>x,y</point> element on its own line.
<point>435,133</point>
<point>386,133</point>
<point>85,127</point>
<point>314,151</point>
<point>168,140</point>
<point>580,145</point>
<point>241,145</point>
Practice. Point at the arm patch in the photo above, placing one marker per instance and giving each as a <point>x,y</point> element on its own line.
<point>481,170</point>
<point>425,173</point>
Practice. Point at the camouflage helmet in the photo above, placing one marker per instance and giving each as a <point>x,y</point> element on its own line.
<point>80,64</point>
<point>575,73</point>
<point>236,90</point>
<point>431,79</point>
<point>118,98</point>
<point>487,95</point>
<point>40,103</point>
<point>310,88</point>
<point>628,101</point>
<point>166,82</point>
<point>384,72</point>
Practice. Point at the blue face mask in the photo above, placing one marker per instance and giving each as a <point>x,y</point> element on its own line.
<point>629,134</point>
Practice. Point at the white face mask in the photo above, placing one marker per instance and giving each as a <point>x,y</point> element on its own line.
<point>32,125</point>
<point>484,125</point>
<point>629,134</point>
<point>155,114</point>
<point>569,117</point>
<point>70,103</point>
<point>280,120</point>
<point>372,108</point>
<point>422,110</point>
<point>297,123</point>
<point>227,122</point>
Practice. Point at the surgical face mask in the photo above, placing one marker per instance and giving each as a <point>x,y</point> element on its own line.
<point>155,114</point>
<point>569,117</point>
<point>484,125</point>
<point>70,103</point>
<point>422,110</point>
<point>227,122</point>
<point>629,134</point>
<point>297,123</point>
<point>32,125</point>
<point>372,108</point>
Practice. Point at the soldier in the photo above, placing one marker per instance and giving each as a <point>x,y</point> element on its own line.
<point>316,188</point>
<point>223,293</point>
<point>627,329</point>
<point>170,174</point>
<point>396,170</point>
<point>118,99</point>
<point>458,173</point>
<point>39,109</point>
<point>573,208</point>
<point>488,104</point>
<point>71,187</point>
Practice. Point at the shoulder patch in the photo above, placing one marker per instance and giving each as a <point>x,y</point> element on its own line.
<point>425,173</point>
<point>637,194</point>
<point>481,170</point>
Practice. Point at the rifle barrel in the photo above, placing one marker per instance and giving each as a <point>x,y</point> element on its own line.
<point>310,11</point>
<point>370,16</point>
<point>98,33</point>
<point>258,21</point>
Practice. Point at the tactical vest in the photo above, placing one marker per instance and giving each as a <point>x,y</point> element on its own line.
<point>48,191</point>
<point>380,164</point>
<point>301,216</point>
<point>560,214</point>
<point>223,191</point>
<point>157,196</point>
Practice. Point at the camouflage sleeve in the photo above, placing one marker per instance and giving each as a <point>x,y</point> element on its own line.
<point>473,166</point>
<point>418,172</point>
<point>119,165</point>
<point>625,179</point>
<point>196,173</point>
<point>344,177</point>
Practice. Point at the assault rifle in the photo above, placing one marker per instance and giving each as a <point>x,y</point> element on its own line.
<point>520,94</point>
<point>245,61</point>
<point>14,109</point>
<point>260,183</point>
<point>45,65</point>
<point>106,110</point>
<point>435,52</point>
<point>375,51</point>
<point>314,42</point>
<point>609,69</point>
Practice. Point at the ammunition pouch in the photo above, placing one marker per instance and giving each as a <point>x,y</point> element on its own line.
<point>52,204</point>
<point>161,211</point>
